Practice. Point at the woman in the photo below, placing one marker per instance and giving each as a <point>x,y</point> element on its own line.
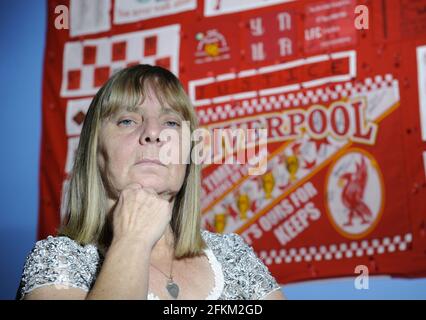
<point>133,230</point>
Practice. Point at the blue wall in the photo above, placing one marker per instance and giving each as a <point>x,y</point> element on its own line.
<point>22,28</point>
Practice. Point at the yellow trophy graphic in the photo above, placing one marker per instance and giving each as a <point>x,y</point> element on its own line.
<point>220,222</point>
<point>292,165</point>
<point>292,161</point>
<point>243,204</point>
<point>268,184</point>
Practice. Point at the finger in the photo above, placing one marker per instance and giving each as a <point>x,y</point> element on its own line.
<point>150,190</point>
<point>149,203</point>
<point>167,195</point>
<point>147,198</point>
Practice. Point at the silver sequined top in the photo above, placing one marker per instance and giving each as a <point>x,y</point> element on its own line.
<point>61,261</point>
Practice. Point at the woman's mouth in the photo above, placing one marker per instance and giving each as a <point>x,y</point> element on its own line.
<point>151,162</point>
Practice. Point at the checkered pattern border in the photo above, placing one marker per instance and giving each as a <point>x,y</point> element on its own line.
<point>251,107</point>
<point>354,249</point>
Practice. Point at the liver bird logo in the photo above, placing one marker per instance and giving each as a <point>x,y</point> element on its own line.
<point>354,184</point>
<point>355,193</point>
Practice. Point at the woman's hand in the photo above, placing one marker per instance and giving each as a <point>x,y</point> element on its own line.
<point>140,215</point>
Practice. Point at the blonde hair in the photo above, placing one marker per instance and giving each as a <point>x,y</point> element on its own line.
<point>87,217</point>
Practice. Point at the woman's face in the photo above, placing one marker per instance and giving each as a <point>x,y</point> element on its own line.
<point>129,148</point>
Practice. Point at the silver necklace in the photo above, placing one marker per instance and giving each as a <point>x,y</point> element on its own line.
<point>171,286</point>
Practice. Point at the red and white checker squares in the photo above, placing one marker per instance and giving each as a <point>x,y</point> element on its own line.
<point>166,47</point>
<point>251,107</point>
<point>353,249</point>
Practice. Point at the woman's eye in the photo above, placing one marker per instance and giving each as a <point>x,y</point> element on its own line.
<point>126,122</point>
<point>172,123</point>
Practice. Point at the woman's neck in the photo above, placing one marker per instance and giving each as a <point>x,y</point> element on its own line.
<point>164,248</point>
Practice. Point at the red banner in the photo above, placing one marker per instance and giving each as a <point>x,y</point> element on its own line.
<point>339,85</point>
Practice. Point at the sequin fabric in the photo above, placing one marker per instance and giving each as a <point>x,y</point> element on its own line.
<point>59,261</point>
<point>62,262</point>
<point>245,275</point>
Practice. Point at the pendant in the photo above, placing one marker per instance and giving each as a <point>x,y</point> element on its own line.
<point>172,288</point>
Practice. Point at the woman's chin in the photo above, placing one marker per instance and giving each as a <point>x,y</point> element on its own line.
<point>151,183</point>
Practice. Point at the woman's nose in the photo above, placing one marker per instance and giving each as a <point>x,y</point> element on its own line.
<point>151,132</point>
